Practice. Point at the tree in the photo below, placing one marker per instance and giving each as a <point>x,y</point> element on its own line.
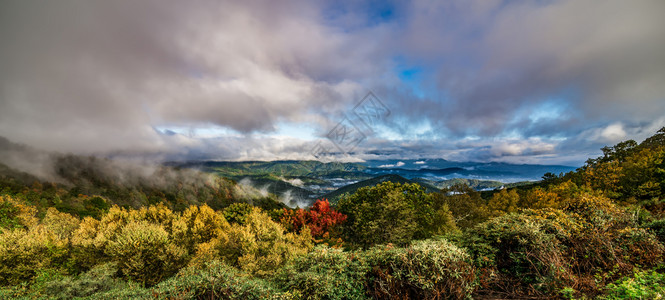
<point>465,204</point>
<point>321,219</point>
<point>388,213</point>
<point>257,247</point>
<point>503,202</point>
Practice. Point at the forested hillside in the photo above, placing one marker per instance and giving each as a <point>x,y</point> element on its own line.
<point>598,232</point>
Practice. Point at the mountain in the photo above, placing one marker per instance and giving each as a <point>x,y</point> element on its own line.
<point>290,168</point>
<point>480,185</point>
<point>334,196</point>
<point>304,181</point>
<point>441,169</point>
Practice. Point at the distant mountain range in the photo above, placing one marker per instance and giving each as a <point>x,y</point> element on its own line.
<point>304,181</point>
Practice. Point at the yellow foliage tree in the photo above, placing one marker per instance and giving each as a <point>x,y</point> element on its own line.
<point>199,224</point>
<point>145,253</point>
<point>503,202</point>
<point>61,224</point>
<point>15,213</point>
<point>24,252</point>
<point>257,247</point>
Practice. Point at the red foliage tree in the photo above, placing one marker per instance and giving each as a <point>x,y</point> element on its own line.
<point>320,218</point>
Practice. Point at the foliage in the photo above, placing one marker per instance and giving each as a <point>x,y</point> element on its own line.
<point>628,171</point>
<point>60,224</point>
<point>658,228</point>
<point>237,213</point>
<point>430,269</point>
<point>145,253</point>
<point>326,273</point>
<point>390,213</point>
<point>99,279</point>
<point>258,247</point>
<point>642,285</point>
<point>321,220</point>
<point>503,202</point>
<point>215,280</point>
<point>596,232</point>
<point>15,214</point>
<point>538,252</point>
<point>197,225</point>
<point>25,252</point>
<point>464,203</point>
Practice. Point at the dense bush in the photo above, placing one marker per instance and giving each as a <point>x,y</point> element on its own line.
<point>431,269</point>
<point>198,224</point>
<point>539,252</point>
<point>392,213</point>
<point>15,214</point>
<point>521,252</point>
<point>327,273</point>
<point>237,212</point>
<point>25,252</point>
<point>145,253</point>
<point>658,228</point>
<point>258,247</point>
<point>216,280</point>
<point>642,285</point>
<point>99,279</point>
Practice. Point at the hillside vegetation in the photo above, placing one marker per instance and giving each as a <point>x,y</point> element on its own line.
<point>597,232</point>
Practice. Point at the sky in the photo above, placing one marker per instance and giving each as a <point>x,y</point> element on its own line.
<point>544,82</point>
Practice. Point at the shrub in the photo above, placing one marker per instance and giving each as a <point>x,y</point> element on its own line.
<point>258,247</point>
<point>99,279</point>
<point>430,269</point>
<point>658,229</point>
<point>23,253</point>
<point>214,280</point>
<point>388,213</point>
<point>87,245</point>
<point>524,251</point>
<point>144,252</point>
<point>642,285</point>
<point>155,214</point>
<point>539,252</point>
<point>16,214</point>
<point>198,224</point>
<point>62,225</point>
<point>326,273</point>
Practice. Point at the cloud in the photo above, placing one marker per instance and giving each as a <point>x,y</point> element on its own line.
<point>395,165</point>
<point>92,76</point>
<point>491,60</point>
<point>496,80</point>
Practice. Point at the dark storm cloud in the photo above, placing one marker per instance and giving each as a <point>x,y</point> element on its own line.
<point>505,80</point>
<point>98,75</point>
<point>491,59</point>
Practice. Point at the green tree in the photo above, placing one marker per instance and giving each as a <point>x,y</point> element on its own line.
<point>389,213</point>
<point>465,204</point>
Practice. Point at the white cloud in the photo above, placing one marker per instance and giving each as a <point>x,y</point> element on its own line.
<point>395,165</point>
